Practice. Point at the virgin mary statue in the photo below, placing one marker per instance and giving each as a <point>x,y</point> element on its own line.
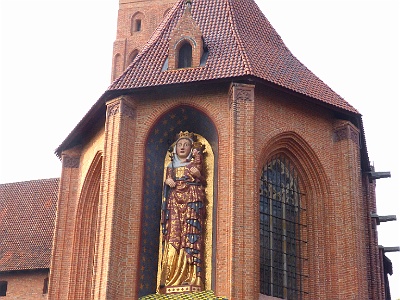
<point>183,214</point>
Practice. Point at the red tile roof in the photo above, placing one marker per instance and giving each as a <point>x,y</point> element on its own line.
<point>27,216</point>
<point>241,42</point>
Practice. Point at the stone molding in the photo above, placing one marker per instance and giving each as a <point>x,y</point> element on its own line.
<point>346,131</point>
<point>241,92</point>
<point>120,106</point>
<point>70,162</point>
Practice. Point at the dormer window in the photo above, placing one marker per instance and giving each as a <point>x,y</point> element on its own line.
<point>185,56</point>
<point>186,45</point>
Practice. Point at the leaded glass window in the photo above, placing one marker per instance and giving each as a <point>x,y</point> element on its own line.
<point>281,242</point>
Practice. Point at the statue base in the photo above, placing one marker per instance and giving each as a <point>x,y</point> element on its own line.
<point>204,295</point>
<point>180,289</point>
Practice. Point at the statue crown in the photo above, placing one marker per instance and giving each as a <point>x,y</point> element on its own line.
<point>186,134</point>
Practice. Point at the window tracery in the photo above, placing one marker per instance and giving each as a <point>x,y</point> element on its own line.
<point>281,242</point>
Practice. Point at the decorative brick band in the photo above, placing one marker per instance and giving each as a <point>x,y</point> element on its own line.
<point>70,162</point>
<point>346,132</point>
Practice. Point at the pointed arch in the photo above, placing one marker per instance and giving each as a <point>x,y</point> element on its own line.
<point>85,232</point>
<point>314,191</point>
<point>311,172</point>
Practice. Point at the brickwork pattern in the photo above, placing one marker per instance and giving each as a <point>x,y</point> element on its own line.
<point>127,41</point>
<point>65,226</point>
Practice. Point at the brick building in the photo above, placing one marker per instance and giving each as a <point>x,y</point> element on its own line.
<point>27,216</point>
<point>291,190</point>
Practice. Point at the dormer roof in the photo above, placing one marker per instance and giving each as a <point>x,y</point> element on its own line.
<point>240,41</point>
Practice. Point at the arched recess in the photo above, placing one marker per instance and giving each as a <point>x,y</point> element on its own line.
<point>118,65</point>
<point>85,233</point>
<point>132,56</point>
<point>315,190</point>
<point>166,12</point>
<point>160,137</point>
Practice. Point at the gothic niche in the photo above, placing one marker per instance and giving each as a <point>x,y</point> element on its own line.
<point>186,223</point>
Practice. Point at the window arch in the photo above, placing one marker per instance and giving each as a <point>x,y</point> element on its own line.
<point>83,256</point>
<point>137,22</point>
<point>185,55</point>
<point>281,226</point>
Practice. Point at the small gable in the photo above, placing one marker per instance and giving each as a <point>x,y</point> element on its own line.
<point>186,42</point>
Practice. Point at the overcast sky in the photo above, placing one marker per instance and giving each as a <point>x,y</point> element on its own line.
<point>56,62</point>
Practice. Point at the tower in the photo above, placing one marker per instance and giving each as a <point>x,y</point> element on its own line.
<point>137,20</point>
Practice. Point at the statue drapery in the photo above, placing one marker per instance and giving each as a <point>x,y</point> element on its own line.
<point>183,216</point>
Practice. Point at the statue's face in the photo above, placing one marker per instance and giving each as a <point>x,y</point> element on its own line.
<point>183,148</point>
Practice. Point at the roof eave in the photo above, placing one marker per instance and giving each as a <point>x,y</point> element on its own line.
<point>95,112</point>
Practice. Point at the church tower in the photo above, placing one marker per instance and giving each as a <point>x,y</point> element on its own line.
<point>215,162</point>
<point>137,20</point>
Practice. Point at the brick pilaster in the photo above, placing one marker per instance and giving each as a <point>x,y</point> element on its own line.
<point>350,221</point>
<point>60,271</point>
<point>242,203</point>
<point>113,265</point>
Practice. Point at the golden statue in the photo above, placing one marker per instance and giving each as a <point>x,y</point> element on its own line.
<point>183,215</point>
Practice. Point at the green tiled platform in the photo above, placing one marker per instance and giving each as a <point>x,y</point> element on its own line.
<point>206,295</point>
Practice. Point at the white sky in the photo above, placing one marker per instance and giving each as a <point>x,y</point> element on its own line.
<point>66,45</point>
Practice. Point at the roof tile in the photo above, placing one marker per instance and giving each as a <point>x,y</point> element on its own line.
<point>27,216</point>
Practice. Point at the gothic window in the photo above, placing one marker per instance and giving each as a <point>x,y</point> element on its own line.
<point>185,55</point>
<point>280,231</point>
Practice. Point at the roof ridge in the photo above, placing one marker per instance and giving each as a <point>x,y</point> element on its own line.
<point>243,53</point>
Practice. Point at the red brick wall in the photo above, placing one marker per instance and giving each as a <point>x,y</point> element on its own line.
<point>25,285</point>
<point>330,175</point>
